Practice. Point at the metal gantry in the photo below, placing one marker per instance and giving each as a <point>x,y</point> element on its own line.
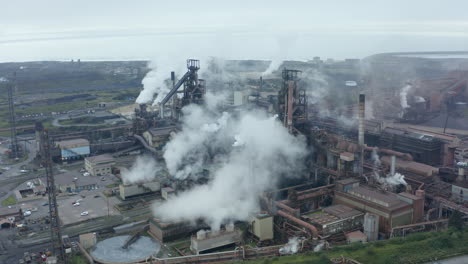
<point>55,230</point>
<point>292,102</point>
<point>193,92</point>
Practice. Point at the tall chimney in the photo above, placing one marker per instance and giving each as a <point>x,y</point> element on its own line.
<point>392,166</point>
<point>362,108</point>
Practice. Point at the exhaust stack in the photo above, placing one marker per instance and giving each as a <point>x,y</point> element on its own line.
<point>362,108</point>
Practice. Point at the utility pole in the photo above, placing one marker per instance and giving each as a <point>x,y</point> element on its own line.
<point>55,230</point>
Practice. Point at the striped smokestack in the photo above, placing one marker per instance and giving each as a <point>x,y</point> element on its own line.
<point>362,108</point>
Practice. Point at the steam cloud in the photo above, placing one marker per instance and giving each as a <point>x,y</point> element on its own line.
<point>155,83</point>
<point>264,152</point>
<point>403,95</point>
<point>144,169</point>
<point>274,65</point>
<point>291,247</point>
<point>391,180</point>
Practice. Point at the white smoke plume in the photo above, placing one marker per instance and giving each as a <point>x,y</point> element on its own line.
<point>274,65</point>
<point>419,99</point>
<point>192,150</point>
<point>292,247</point>
<point>404,95</point>
<point>391,180</point>
<point>239,172</point>
<point>144,169</point>
<point>156,82</point>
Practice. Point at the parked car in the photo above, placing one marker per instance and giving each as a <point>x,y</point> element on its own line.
<point>85,213</point>
<point>76,204</point>
<point>27,213</point>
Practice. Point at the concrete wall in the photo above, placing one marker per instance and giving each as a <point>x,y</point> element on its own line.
<point>262,228</point>
<point>215,240</point>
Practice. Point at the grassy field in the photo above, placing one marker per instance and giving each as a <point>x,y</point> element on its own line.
<point>11,200</point>
<point>117,95</point>
<point>77,259</point>
<point>415,248</point>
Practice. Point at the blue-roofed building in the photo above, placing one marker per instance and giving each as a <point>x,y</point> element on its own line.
<point>74,148</point>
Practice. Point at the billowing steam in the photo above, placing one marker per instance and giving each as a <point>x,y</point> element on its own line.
<point>390,180</point>
<point>419,99</point>
<point>245,155</point>
<point>404,95</point>
<point>292,247</point>
<point>274,65</point>
<point>144,169</point>
<point>156,82</point>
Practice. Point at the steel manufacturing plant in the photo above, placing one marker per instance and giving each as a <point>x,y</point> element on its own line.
<point>215,160</point>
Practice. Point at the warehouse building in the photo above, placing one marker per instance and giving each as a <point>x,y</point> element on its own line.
<point>132,190</point>
<point>208,240</point>
<point>393,209</point>
<point>74,149</point>
<point>158,136</point>
<point>336,219</point>
<point>99,165</point>
<point>167,231</point>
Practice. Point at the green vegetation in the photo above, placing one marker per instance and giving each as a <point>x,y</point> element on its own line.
<point>415,248</point>
<point>77,259</point>
<point>113,185</point>
<point>456,220</point>
<point>11,200</point>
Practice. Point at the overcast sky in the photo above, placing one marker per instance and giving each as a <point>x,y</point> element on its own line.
<point>301,29</point>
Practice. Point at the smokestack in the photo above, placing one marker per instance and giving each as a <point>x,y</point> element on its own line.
<point>291,87</point>
<point>392,166</point>
<point>362,108</point>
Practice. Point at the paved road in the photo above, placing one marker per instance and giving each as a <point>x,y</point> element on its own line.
<point>9,178</point>
<point>455,260</point>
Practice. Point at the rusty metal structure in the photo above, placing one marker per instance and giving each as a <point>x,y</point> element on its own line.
<point>292,102</point>
<point>55,229</point>
<point>193,90</point>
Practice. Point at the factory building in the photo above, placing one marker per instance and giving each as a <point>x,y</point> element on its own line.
<point>410,166</point>
<point>74,148</point>
<point>208,240</point>
<point>424,148</point>
<point>261,226</point>
<point>132,190</point>
<point>99,165</point>
<point>392,209</point>
<point>158,136</point>
<point>167,231</point>
<point>15,214</point>
<point>336,219</point>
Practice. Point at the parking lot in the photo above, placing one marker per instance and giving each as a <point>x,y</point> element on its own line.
<point>93,202</point>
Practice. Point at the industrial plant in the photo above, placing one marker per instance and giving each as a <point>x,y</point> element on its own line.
<point>232,161</point>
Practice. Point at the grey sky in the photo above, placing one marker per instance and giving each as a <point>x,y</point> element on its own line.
<point>116,29</point>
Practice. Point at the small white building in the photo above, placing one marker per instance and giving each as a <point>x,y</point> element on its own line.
<point>99,165</point>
